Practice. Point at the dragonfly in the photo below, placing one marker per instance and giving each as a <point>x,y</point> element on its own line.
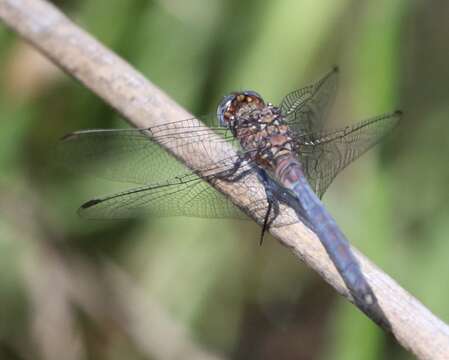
<point>288,147</point>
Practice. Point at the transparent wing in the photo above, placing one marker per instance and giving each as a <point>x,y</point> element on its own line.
<point>305,109</point>
<point>187,195</point>
<point>130,155</point>
<point>324,155</point>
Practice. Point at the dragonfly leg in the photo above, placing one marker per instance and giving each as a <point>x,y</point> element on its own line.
<point>265,226</point>
<point>273,204</point>
<point>231,175</point>
<point>269,186</point>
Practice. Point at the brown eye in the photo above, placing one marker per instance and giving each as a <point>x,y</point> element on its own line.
<point>253,96</point>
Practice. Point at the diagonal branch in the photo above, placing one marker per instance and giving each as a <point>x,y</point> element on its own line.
<point>145,105</point>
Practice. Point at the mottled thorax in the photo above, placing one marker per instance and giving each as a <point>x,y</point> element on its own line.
<point>259,127</point>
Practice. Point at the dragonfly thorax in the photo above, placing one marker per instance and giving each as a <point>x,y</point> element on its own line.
<point>259,127</point>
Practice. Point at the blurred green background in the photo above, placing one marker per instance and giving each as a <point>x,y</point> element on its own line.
<point>184,288</point>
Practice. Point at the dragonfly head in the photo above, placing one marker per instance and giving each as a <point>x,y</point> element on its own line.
<point>232,106</point>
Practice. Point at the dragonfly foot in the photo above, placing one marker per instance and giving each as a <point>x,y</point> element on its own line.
<point>266,223</point>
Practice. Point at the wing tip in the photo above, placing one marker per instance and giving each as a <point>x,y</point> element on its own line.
<point>69,136</point>
<point>398,112</point>
<point>86,206</point>
<point>89,204</point>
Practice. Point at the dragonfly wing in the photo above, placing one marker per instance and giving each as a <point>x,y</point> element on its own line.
<point>136,155</point>
<point>139,156</point>
<point>186,195</point>
<point>324,156</point>
<point>305,109</point>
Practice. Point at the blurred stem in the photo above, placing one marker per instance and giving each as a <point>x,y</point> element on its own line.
<point>144,105</point>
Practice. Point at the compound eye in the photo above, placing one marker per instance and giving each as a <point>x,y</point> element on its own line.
<point>223,107</point>
<point>253,94</point>
<point>232,102</point>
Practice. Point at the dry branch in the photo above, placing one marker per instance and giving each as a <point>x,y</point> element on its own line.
<point>145,105</point>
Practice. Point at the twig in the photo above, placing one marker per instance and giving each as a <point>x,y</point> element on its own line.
<point>145,105</point>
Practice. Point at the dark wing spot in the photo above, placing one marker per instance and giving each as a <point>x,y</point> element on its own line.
<point>91,203</point>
